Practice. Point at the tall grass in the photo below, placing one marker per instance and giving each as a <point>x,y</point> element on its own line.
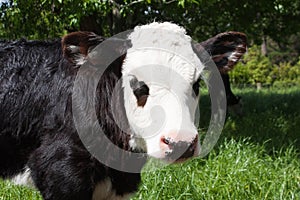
<point>256,157</point>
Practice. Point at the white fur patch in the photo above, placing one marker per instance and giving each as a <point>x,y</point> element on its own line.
<point>78,57</point>
<point>80,60</point>
<point>235,55</point>
<point>103,191</point>
<point>23,178</point>
<point>73,48</point>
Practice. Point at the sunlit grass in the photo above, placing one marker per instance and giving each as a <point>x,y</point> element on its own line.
<point>8,191</point>
<point>256,157</point>
<point>238,170</point>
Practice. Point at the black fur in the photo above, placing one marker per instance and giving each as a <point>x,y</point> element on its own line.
<point>231,98</point>
<point>37,128</point>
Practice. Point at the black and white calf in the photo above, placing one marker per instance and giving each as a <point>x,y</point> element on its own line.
<point>39,143</point>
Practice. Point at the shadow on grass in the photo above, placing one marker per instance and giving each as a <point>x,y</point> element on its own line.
<point>271,118</point>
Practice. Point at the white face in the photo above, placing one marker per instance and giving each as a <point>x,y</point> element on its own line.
<point>159,72</point>
<point>160,103</point>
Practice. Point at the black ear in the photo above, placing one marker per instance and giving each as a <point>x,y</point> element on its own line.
<point>225,49</point>
<point>77,45</point>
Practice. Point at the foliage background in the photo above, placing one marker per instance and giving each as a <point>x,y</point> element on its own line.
<point>272,26</point>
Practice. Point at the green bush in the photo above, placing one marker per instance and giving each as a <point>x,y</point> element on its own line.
<point>286,75</point>
<point>257,68</point>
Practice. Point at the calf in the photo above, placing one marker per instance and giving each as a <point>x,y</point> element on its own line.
<point>157,66</point>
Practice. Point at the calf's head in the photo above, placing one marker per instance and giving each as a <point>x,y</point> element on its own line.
<point>160,79</point>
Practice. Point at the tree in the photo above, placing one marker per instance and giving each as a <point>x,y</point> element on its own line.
<point>260,20</point>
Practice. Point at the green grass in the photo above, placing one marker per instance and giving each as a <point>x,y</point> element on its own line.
<point>8,191</point>
<point>256,157</point>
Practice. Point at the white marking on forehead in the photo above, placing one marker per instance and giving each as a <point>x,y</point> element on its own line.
<point>163,44</point>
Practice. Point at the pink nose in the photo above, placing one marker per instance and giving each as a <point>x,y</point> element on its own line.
<point>177,148</point>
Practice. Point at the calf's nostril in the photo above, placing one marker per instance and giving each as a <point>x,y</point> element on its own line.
<point>181,150</point>
<point>166,140</point>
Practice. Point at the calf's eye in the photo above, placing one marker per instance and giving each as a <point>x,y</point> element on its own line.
<point>140,91</point>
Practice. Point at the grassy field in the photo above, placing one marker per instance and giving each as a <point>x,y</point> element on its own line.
<point>257,156</point>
